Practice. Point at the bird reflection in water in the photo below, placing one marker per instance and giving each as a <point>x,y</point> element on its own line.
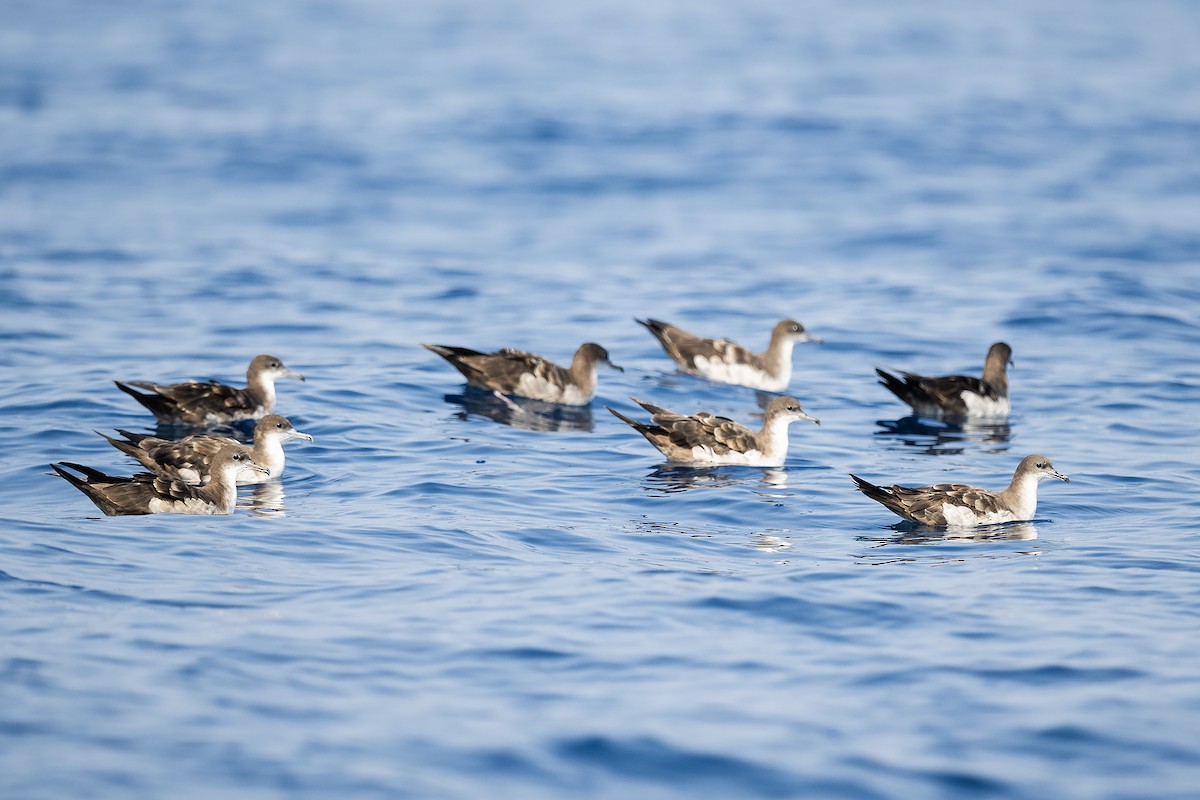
<point>946,438</point>
<point>910,533</point>
<point>521,412</point>
<point>771,542</point>
<point>674,478</point>
<point>265,499</point>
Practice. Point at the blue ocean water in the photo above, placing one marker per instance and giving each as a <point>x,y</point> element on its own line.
<point>442,600</point>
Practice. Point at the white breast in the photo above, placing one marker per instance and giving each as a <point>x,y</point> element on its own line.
<point>961,516</point>
<point>978,406</point>
<point>740,374</point>
<point>703,454</point>
<point>190,506</point>
<point>536,388</point>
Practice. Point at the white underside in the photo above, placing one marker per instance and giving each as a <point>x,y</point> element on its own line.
<point>190,506</point>
<point>1024,509</point>
<point>986,406</point>
<point>740,374</point>
<point>537,388</point>
<point>961,517</point>
<point>752,458</point>
<point>978,407</point>
<point>775,438</point>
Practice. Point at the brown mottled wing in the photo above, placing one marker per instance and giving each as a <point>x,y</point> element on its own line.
<point>707,430</point>
<point>195,400</point>
<point>502,370</point>
<point>126,495</point>
<point>725,350</point>
<point>684,347</point>
<point>172,489</point>
<point>189,453</point>
<point>925,504</point>
<point>731,352</point>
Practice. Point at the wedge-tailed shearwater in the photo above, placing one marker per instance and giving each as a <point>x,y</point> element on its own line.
<point>117,495</point>
<point>190,458</point>
<point>209,402</point>
<point>523,374</point>
<point>708,439</point>
<point>959,505</point>
<point>726,361</point>
<point>957,395</point>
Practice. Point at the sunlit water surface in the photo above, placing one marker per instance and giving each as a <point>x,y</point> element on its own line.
<point>448,597</point>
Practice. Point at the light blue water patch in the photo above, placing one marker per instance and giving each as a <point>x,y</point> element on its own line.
<point>451,596</point>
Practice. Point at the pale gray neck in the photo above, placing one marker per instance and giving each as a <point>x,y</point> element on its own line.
<point>268,452</point>
<point>221,490</point>
<point>262,387</point>
<point>778,357</point>
<point>1021,495</point>
<point>773,438</point>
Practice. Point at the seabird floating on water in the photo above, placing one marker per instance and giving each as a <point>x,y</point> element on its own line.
<point>155,494</point>
<point>708,439</point>
<point>959,505</point>
<point>957,395</point>
<point>190,458</point>
<point>726,361</point>
<point>523,374</point>
<point>209,402</point>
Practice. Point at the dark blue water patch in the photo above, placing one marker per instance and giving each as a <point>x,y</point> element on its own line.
<point>525,654</point>
<point>822,618</point>
<point>284,158</point>
<point>21,728</point>
<point>84,256</point>
<point>805,124</point>
<point>40,173</point>
<point>1073,742</point>
<point>948,783</point>
<point>23,89</point>
<point>565,538</point>
<point>279,331</point>
<point>1164,247</point>
<point>331,215</point>
<point>1156,565</point>
<point>608,184</point>
<point>648,759</point>
<point>25,672</point>
<point>1055,675</point>
<point>457,293</point>
<point>891,240</point>
<point>27,337</point>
